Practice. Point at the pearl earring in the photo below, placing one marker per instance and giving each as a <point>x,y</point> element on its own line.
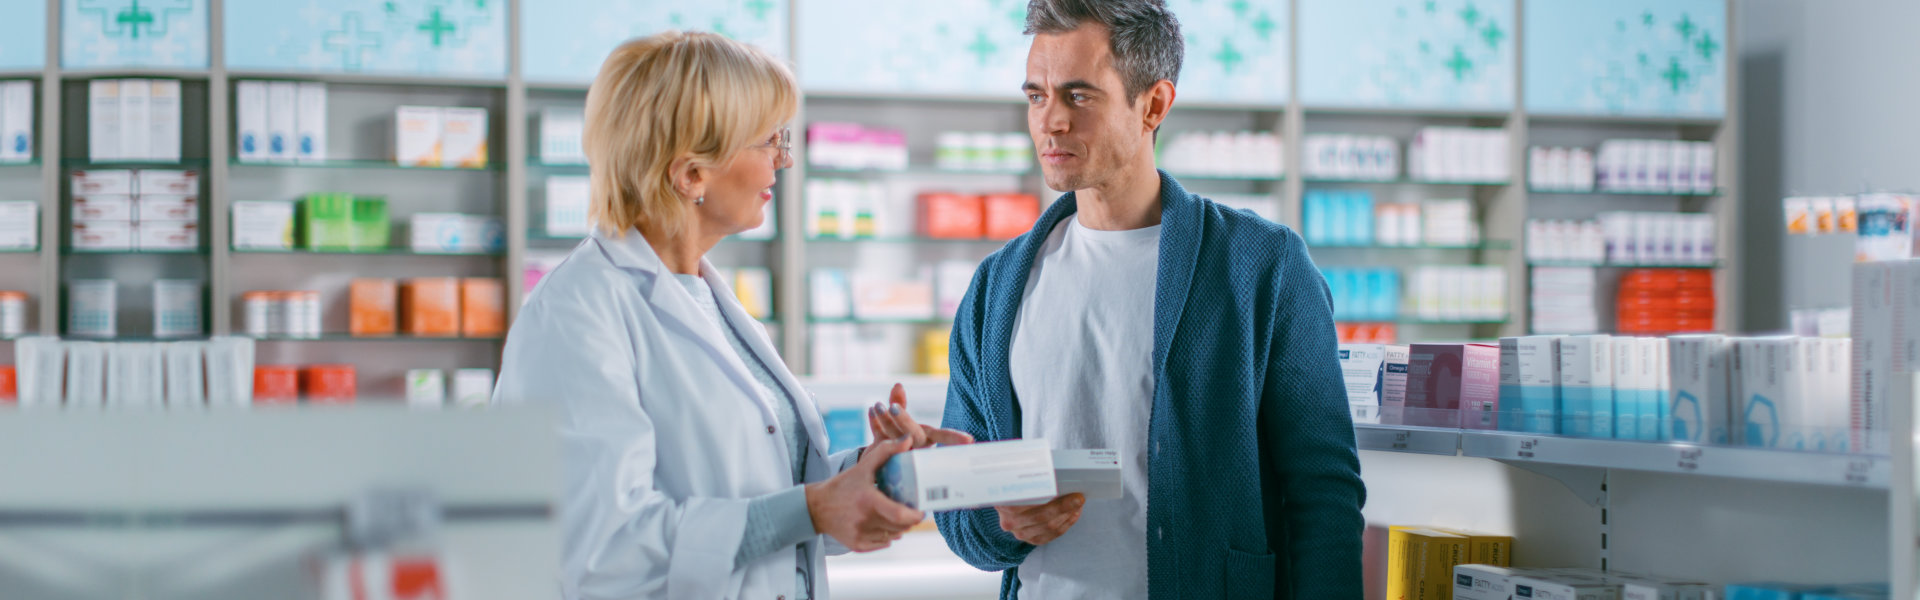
<point>699,201</point>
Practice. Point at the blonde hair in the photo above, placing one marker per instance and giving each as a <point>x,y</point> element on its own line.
<point>673,95</point>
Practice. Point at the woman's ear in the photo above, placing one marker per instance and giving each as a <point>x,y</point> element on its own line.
<point>689,178</point>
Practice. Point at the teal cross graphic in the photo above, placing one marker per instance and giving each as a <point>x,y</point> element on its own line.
<point>1425,48</point>
<point>1707,46</point>
<point>720,27</point>
<point>1459,64</point>
<point>675,19</point>
<point>132,19</point>
<point>1647,18</point>
<point>1432,7</point>
<point>759,8</point>
<point>1685,27</point>
<point>1228,56</point>
<point>350,41</point>
<point>1263,26</point>
<point>1470,14</point>
<point>1674,75</point>
<point>436,26</point>
<point>1645,60</point>
<point>1493,34</point>
<point>392,8</point>
<point>1239,8</point>
<point>982,47</point>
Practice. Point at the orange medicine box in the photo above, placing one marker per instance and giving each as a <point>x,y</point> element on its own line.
<point>328,384</point>
<point>483,310</point>
<point>430,306</point>
<point>371,305</point>
<point>276,385</point>
<point>951,216</point>
<point>1009,215</point>
<point>9,388</point>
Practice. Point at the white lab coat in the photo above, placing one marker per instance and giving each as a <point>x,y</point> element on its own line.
<point>665,433</point>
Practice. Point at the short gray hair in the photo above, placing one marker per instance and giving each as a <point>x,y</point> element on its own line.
<point>1145,36</point>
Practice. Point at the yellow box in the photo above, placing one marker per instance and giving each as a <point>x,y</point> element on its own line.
<point>1482,548</point>
<point>933,352</point>
<point>1427,562</point>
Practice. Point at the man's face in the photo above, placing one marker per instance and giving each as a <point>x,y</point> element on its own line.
<point>1084,127</point>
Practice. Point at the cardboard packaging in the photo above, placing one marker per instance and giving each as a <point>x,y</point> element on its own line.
<point>1646,587</point>
<point>16,121</point>
<point>1393,384</point>
<point>19,225</point>
<point>1886,346</point>
<point>163,182</point>
<point>102,208</point>
<point>250,129</point>
<point>1009,216</point>
<point>453,233</point>
<point>1094,473</point>
<point>416,133</point>
<point>103,235</point>
<point>971,476</point>
<point>561,133</point>
<point>103,120</point>
<point>263,225</point>
<point>276,385</point>
<point>1420,562</point>
<point>367,225</point>
<point>426,389</point>
<point>329,384</point>
<point>283,116</point>
<point>163,120</point>
<point>472,388</point>
<point>952,216</point>
<point>1651,410</point>
<point>1484,582</point>
<point>430,307</point>
<point>326,222</point>
<point>136,119</point>
<point>167,235</point>
<point>753,287</point>
<point>1627,388</point>
<point>371,306</point>
<point>1360,365</point>
<point>310,122</point>
<point>1451,377</point>
<point>1586,386</point>
<point>1543,586</point>
<point>176,308</point>
<point>566,206</point>
<point>92,307</point>
<point>104,182</point>
<point>483,310</point>
<point>463,137</point>
<point>1700,408</point>
<point>1529,375</point>
<point>166,208</point>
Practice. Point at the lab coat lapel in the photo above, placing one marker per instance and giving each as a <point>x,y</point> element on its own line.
<point>677,309</point>
<point>760,346</point>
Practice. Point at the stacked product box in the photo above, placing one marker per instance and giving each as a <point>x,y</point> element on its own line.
<point>145,210</point>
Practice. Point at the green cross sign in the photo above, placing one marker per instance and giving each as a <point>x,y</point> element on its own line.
<point>1239,8</point>
<point>1432,7</point>
<point>759,8</point>
<point>982,47</point>
<point>436,27</point>
<point>1263,25</point>
<point>1493,34</point>
<point>1707,46</point>
<point>1685,27</point>
<point>1228,56</point>
<point>350,40</point>
<point>134,18</point>
<point>1470,14</point>
<point>1647,18</point>
<point>1459,64</point>
<point>1674,75</point>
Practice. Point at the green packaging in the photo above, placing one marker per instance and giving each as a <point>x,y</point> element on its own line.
<point>326,221</point>
<point>370,229</point>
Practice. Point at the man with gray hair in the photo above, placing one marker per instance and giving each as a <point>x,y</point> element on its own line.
<point>1195,340</point>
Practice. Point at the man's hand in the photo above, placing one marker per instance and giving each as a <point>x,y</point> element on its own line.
<point>890,421</point>
<point>850,509</point>
<point>1038,525</point>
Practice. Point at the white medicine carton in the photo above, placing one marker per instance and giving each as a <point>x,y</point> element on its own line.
<point>1094,473</point>
<point>1360,366</point>
<point>971,476</point>
<point>1699,406</point>
<point>1562,587</point>
<point>1484,582</point>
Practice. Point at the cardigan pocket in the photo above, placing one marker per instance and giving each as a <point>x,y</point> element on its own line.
<point>1249,575</point>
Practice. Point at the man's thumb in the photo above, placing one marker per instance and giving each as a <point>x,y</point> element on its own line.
<point>878,454</point>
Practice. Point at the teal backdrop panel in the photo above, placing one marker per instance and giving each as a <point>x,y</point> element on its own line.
<point>1437,54</point>
<point>435,38</point>
<point>23,35</point>
<point>564,41</point>
<point>1641,57</point>
<point>1236,50</point>
<point>105,34</point>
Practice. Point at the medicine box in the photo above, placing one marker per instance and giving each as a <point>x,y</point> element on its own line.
<point>136,119</point>
<point>108,182</point>
<point>92,307</point>
<point>1651,370</point>
<point>463,137</point>
<point>1483,582</point>
<point>1438,382</point>
<point>416,133</point>
<point>162,182</point>
<point>176,308</point>
<point>426,388</point>
<point>16,121</point>
<point>1421,562</point>
<point>482,307</point>
<point>103,235</point>
<point>1586,386</point>
<point>166,208</point>
<point>1760,408</point>
<point>167,235</point>
<point>1644,587</point>
<point>1551,586</point>
<point>371,309</point>
<point>310,122</point>
<point>430,307</point>
<point>19,225</point>
<point>283,116</point>
<point>250,133</point>
<point>472,388</point>
<point>103,120</point>
<point>1699,406</point>
<point>1094,473</point>
<point>1886,312</point>
<point>971,476</point>
<point>262,225</point>
<point>163,120</point>
<point>102,207</point>
<point>454,233</point>
<point>561,134</point>
<point>566,206</point>
<point>1529,375</point>
<point>1626,388</point>
<point>1360,366</point>
<point>1393,383</point>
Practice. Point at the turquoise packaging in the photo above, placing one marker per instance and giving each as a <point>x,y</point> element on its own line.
<point>1773,591</point>
<point>1529,373</point>
<point>1360,213</point>
<point>1316,217</point>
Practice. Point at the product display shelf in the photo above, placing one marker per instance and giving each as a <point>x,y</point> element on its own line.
<point>1608,265</point>
<point>141,73</point>
<point>34,250</point>
<point>1600,192</point>
<point>367,79</point>
<point>1419,321</point>
<point>344,337</point>
<point>916,170</point>
<point>1615,120</point>
<point>356,164</point>
<point>17,165</point>
<point>369,252</point>
<point>1486,245</point>
<point>69,251</point>
<point>1215,177</point>
<point>84,163</point>
<point>1324,180</point>
<point>904,240</point>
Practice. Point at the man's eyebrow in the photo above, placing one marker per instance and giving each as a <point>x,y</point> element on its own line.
<point>1075,85</point>
<point>1031,87</point>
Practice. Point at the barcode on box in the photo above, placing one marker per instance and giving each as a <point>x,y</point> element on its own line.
<point>937,494</point>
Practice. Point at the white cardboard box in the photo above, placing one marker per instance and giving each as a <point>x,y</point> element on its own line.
<point>1393,383</point>
<point>163,120</point>
<point>262,225</point>
<point>92,307</point>
<point>102,208</point>
<point>1700,408</point>
<point>16,121</point>
<point>567,204</point>
<point>561,134</point>
<point>1360,365</point>
<point>310,124</point>
<point>176,308</point>
<point>166,182</point>
<point>103,235</point>
<point>167,235</point>
<point>1884,347</point>
<point>1586,386</point>
<point>155,208</point>
<point>1529,376</point>
<point>251,134</point>
<point>1546,586</point>
<point>971,476</point>
<point>1484,582</point>
<point>416,136</point>
<point>426,389</point>
<point>282,115</point>
<point>19,225</point>
<point>1760,410</point>
<point>113,182</point>
<point>454,233</point>
<point>472,388</point>
<point>103,120</point>
<point>136,119</point>
<point>463,137</point>
<point>1094,473</point>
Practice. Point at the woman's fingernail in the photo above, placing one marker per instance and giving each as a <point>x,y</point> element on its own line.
<point>894,410</point>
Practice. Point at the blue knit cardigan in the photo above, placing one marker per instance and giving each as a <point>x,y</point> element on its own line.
<point>1255,487</point>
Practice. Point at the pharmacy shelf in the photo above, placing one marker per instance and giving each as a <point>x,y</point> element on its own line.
<point>1212,177</point>
<point>374,252</point>
<point>82,163</point>
<point>1758,464</point>
<point>19,250</point>
<point>1487,245</point>
<point>1624,120</point>
<point>355,164</point>
<point>906,240</point>
<point>1607,265</point>
<point>143,73</point>
<point>368,79</point>
<point>343,337</point>
<point>581,168</point>
<point>131,339</point>
<point>1413,321</point>
<point>1410,440</point>
<point>544,239</point>
<point>917,170</point>
<point>17,165</point>
<point>1427,113</point>
<point>1599,192</point>
<point>1318,180</point>
<point>89,252</point>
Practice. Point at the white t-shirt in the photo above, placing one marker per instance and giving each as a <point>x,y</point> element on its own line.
<point>1082,361</point>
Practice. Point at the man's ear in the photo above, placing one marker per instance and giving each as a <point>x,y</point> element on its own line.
<point>689,177</point>
<point>1159,102</point>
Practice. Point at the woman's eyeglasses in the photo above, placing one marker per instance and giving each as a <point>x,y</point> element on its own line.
<point>782,141</point>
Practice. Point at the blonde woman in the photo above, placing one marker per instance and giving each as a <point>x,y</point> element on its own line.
<point>695,465</point>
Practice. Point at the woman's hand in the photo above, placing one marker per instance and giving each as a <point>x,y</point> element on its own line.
<point>850,508</point>
<point>890,421</point>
